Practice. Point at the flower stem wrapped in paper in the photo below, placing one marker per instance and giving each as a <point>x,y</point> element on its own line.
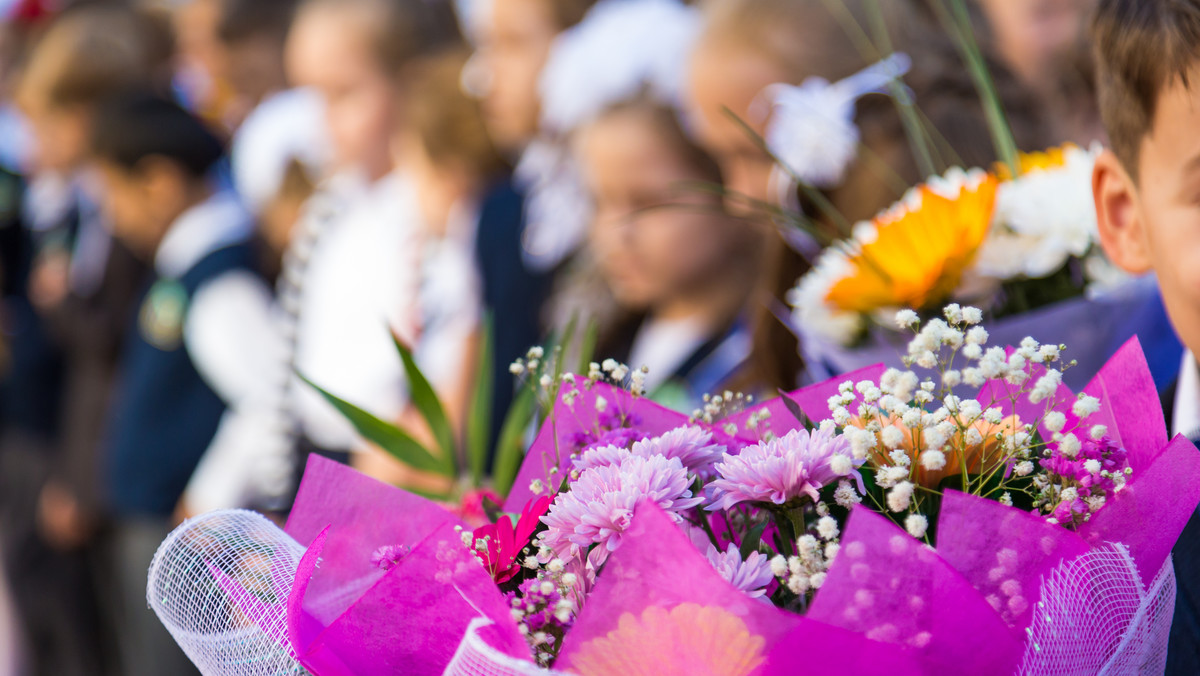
<point>970,515</point>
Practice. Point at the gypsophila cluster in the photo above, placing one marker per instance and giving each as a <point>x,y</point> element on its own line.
<point>804,572</point>
<point>544,608</point>
<point>947,422</point>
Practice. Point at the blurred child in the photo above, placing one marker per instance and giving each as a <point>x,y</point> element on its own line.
<point>352,264</point>
<point>444,148</point>
<point>514,41</point>
<point>81,288</point>
<point>154,162</point>
<point>1145,191</point>
<point>748,45</point>
<point>678,264</point>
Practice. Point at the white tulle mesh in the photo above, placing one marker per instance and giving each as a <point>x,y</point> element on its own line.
<point>1096,617</point>
<point>475,657</point>
<point>220,584</point>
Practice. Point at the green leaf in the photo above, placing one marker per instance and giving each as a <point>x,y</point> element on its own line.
<point>587,348</point>
<point>510,449</point>
<point>479,419</point>
<point>794,408</point>
<point>750,542</point>
<point>430,407</point>
<point>385,435</point>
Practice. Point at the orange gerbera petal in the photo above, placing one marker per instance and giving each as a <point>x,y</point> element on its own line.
<point>920,252</point>
<point>1052,158</point>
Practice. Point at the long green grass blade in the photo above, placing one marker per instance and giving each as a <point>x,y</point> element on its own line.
<point>430,407</point>
<point>385,435</point>
<point>510,449</point>
<point>479,419</point>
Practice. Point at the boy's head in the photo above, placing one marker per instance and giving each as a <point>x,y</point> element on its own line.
<point>88,54</point>
<point>354,53</point>
<point>1147,189</point>
<point>514,43</point>
<point>153,159</point>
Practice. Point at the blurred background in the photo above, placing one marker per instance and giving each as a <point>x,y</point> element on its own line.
<point>200,199</point>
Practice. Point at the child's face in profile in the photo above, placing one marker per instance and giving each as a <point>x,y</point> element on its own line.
<point>1154,225</point>
<point>654,237</point>
<point>60,136</point>
<point>514,43</point>
<point>329,51</point>
<point>140,204</point>
<point>724,80</point>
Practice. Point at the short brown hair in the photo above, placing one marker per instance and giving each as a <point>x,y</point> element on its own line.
<point>1141,47</point>
<point>96,51</point>
<point>400,31</point>
<point>448,122</point>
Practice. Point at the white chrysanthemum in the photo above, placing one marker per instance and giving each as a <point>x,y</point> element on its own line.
<point>1041,219</point>
<point>821,320</point>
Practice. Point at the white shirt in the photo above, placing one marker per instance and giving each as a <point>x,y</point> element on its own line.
<point>1186,414</point>
<point>664,345</point>
<point>231,338</point>
<point>361,281</point>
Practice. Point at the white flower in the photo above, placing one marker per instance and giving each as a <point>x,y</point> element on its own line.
<point>827,528</point>
<point>841,465</point>
<point>1046,387</point>
<point>892,436</point>
<point>933,461</point>
<point>779,566</point>
<point>1092,466</point>
<point>907,319</point>
<point>916,525</point>
<point>1023,468</point>
<point>1055,421</point>
<point>817,579</point>
<point>1040,220</point>
<point>973,315</point>
<point>812,128</point>
<point>1098,432</point>
<point>899,497</point>
<point>1069,445</point>
<point>977,336</point>
<point>1085,406</point>
<point>845,495</point>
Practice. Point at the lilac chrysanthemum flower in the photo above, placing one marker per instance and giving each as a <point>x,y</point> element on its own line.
<point>600,504</point>
<point>751,575</point>
<point>691,445</point>
<point>776,471</point>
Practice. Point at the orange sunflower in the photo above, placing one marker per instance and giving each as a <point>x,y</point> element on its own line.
<point>920,247</point>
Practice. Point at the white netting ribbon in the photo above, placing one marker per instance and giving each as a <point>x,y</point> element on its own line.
<point>1096,617</point>
<point>220,584</point>
<point>475,657</point>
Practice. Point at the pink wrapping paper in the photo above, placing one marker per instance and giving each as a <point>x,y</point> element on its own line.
<point>348,616</point>
<point>659,607</point>
<point>571,428</point>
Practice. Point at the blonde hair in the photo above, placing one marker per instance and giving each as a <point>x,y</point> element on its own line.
<point>94,52</point>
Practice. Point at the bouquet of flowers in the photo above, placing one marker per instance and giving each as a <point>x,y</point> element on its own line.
<point>1024,248</point>
<point>965,514</point>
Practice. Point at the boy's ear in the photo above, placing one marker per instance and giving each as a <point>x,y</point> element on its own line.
<point>1118,216</point>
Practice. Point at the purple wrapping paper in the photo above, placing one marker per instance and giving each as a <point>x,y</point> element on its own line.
<point>1091,328</point>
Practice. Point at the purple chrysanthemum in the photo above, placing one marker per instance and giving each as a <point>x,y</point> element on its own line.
<point>751,575</point>
<point>776,471</point>
<point>600,504</point>
<point>691,445</point>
